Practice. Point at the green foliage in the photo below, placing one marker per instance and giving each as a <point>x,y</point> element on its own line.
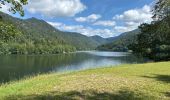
<point>4,48</point>
<point>8,32</point>
<point>34,36</point>
<point>100,40</point>
<point>161,9</point>
<point>16,5</point>
<point>154,40</point>
<point>120,43</point>
<point>126,82</point>
<point>14,41</point>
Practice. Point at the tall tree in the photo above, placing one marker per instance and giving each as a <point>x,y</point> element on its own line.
<point>161,9</point>
<point>15,5</point>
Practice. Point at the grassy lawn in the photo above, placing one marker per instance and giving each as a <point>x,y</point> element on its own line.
<point>126,82</point>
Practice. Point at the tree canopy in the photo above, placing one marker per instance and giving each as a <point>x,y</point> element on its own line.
<point>154,39</point>
<point>15,5</point>
<point>161,9</point>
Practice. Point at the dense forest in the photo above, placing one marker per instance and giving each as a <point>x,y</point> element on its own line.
<point>34,36</point>
<point>14,41</point>
<point>119,43</point>
<point>153,41</point>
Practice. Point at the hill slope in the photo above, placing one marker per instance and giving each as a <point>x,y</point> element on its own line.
<point>34,28</point>
<point>100,40</point>
<point>120,42</point>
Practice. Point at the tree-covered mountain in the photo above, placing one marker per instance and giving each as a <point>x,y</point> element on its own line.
<point>100,40</point>
<point>15,41</point>
<point>33,26</point>
<point>41,37</point>
<point>121,42</point>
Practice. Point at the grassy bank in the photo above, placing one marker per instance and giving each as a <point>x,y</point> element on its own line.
<point>127,82</point>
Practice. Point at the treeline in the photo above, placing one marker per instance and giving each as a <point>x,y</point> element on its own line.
<point>35,36</point>
<point>154,39</point>
<point>151,40</point>
<point>14,41</point>
<point>120,43</point>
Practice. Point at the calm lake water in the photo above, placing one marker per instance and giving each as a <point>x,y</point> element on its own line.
<point>13,67</point>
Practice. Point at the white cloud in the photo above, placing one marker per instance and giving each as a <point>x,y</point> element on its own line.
<point>131,19</point>
<point>81,19</point>
<point>88,31</point>
<point>105,23</point>
<point>131,24</point>
<point>56,8</point>
<point>5,8</point>
<point>143,15</point>
<point>90,18</point>
<point>55,24</point>
<point>122,29</point>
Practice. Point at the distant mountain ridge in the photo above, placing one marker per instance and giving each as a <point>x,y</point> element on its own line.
<point>40,28</point>
<point>100,39</point>
<point>120,43</point>
<point>36,29</point>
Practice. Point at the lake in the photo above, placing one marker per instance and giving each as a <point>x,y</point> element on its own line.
<point>14,67</point>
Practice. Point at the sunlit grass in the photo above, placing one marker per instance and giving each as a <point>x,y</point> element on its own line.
<point>126,82</point>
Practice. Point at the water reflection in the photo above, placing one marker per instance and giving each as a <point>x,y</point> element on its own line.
<point>17,66</point>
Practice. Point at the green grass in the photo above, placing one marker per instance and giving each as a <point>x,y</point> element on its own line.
<point>127,82</point>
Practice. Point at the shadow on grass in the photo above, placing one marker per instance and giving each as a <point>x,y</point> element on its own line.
<point>167,94</point>
<point>84,95</point>
<point>162,78</point>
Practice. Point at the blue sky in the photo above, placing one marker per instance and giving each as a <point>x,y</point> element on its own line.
<point>106,18</point>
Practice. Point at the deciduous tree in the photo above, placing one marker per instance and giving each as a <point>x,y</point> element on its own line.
<point>14,5</point>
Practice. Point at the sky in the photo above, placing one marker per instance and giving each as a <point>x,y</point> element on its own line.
<point>105,18</point>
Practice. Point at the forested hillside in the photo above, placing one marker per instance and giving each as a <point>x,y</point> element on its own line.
<point>15,41</point>
<point>154,39</point>
<point>121,42</point>
<point>100,40</point>
<point>34,36</point>
<point>151,40</point>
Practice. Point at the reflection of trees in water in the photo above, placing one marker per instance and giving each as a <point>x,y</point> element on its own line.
<point>131,59</point>
<point>14,67</point>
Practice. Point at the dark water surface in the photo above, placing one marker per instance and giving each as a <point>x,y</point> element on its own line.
<point>14,67</point>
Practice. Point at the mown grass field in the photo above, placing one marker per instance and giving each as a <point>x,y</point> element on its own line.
<point>126,82</point>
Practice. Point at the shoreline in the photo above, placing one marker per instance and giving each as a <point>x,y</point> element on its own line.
<point>140,79</point>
